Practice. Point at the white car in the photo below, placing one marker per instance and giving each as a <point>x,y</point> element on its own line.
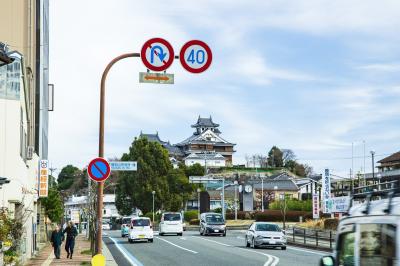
<point>106,226</point>
<point>141,230</point>
<point>261,234</point>
<point>171,223</point>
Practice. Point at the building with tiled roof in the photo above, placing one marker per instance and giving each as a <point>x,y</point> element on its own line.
<point>205,146</point>
<point>389,163</point>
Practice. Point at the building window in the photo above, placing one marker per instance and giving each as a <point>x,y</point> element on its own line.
<point>104,211</point>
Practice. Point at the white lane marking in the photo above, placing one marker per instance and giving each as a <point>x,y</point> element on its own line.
<point>132,260</point>
<point>175,245</point>
<point>183,238</point>
<point>309,251</point>
<point>223,244</point>
<point>239,237</point>
<point>272,260</point>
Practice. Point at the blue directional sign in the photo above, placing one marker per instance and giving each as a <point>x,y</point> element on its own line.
<point>99,169</point>
<point>123,166</point>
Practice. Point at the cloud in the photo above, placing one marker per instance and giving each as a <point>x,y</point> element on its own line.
<point>394,67</point>
<point>253,68</point>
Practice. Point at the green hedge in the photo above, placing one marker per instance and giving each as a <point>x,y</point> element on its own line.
<point>157,217</point>
<point>189,215</point>
<point>293,205</point>
<point>194,222</point>
<point>276,216</point>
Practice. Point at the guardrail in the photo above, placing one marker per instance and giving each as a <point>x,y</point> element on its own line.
<point>322,239</point>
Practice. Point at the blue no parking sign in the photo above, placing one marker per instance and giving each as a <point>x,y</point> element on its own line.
<point>99,169</point>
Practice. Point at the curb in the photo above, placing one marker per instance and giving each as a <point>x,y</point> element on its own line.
<point>110,261</point>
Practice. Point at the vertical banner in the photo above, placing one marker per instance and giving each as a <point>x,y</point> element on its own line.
<point>326,191</point>
<point>43,178</point>
<point>315,205</point>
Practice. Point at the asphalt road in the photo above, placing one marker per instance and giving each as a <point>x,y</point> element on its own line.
<point>192,249</point>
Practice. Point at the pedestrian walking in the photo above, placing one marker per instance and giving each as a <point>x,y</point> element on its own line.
<point>56,239</point>
<point>70,241</point>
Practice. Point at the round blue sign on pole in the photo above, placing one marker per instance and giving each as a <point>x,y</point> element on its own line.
<point>99,169</point>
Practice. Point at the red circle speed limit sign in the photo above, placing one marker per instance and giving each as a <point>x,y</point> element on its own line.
<point>157,54</point>
<point>195,56</point>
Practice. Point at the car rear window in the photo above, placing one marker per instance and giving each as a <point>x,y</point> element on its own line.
<point>267,227</point>
<point>172,217</point>
<point>140,222</point>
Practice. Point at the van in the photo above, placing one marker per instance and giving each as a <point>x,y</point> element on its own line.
<point>171,223</point>
<point>141,229</point>
<point>212,223</point>
<point>369,235</point>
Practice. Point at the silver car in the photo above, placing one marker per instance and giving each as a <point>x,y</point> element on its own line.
<point>261,234</point>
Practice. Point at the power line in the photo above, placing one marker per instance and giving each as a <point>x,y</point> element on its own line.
<point>342,158</point>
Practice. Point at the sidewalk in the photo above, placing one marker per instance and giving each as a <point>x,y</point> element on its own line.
<point>46,255</point>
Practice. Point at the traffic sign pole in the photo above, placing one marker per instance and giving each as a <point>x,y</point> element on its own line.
<point>100,186</point>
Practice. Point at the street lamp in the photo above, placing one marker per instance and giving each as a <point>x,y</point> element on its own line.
<point>373,166</point>
<point>198,202</point>
<point>235,183</point>
<point>153,193</point>
<point>262,194</point>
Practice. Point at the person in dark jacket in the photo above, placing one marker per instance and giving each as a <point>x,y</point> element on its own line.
<point>70,242</point>
<point>56,239</point>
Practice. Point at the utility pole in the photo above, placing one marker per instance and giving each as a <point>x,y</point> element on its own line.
<point>373,166</point>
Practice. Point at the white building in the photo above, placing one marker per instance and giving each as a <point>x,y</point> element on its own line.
<point>76,207</point>
<point>208,159</point>
<point>23,114</point>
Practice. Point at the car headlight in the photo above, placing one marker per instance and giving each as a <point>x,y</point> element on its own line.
<point>259,236</point>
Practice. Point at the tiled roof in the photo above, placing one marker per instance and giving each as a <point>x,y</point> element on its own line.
<point>395,157</point>
<point>205,122</point>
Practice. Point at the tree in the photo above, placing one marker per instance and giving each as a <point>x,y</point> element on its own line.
<point>179,188</point>
<point>194,170</point>
<point>288,155</point>
<point>275,158</point>
<point>134,189</point>
<point>53,205</point>
<point>67,176</point>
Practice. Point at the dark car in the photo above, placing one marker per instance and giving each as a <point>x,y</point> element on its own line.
<point>212,224</point>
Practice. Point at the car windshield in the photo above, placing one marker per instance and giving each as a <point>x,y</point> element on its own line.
<point>268,227</point>
<point>215,218</point>
<point>172,217</point>
<point>141,222</point>
<point>126,220</point>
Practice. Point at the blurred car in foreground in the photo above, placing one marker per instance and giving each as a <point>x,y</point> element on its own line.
<point>369,235</point>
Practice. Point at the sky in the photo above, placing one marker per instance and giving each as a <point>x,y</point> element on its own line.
<point>313,76</point>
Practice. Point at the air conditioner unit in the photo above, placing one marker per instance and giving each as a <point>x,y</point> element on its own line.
<point>29,152</point>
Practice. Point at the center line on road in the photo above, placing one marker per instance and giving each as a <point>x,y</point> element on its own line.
<point>213,241</point>
<point>175,245</point>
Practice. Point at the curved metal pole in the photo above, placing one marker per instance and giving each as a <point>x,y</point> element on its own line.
<point>101,146</point>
